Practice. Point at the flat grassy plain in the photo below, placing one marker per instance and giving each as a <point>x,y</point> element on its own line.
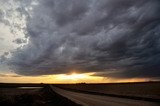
<point>139,90</point>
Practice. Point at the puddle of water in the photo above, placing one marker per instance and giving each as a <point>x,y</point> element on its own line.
<point>29,87</point>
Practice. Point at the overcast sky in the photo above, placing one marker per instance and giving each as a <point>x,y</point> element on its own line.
<point>114,38</point>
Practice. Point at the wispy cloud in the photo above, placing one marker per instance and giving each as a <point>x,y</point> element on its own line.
<point>10,75</point>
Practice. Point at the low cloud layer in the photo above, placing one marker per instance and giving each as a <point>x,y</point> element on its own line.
<point>119,38</point>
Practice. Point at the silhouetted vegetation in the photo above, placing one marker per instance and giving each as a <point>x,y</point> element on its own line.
<point>32,97</point>
<point>15,85</point>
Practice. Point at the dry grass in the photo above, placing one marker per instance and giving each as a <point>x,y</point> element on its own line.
<point>146,89</point>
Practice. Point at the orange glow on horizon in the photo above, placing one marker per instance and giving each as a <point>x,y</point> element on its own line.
<point>78,78</point>
<point>66,78</point>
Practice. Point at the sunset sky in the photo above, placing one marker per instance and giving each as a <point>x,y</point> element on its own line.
<point>74,41</point>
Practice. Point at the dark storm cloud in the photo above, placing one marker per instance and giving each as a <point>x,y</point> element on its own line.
<point>3,57</point>
<point>19,41</point>
<point>92,35</point>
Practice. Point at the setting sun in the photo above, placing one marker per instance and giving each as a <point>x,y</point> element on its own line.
<point>73,76</point>
<point>77,78</point>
